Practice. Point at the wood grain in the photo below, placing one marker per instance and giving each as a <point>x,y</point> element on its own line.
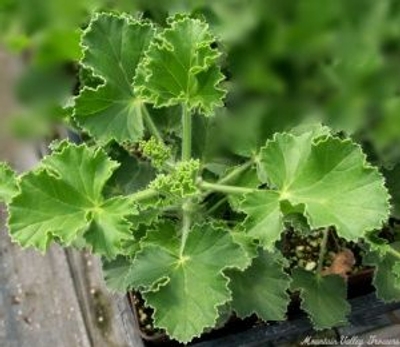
<point>57,299</point>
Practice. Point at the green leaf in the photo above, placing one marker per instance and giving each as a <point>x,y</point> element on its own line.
<point>396,274</point>
<point>181,67</point>
<point>63,200</point>
<point>261,288</point>
<point>186,289</point>
<point>8,183</point>
<point>327,178</point>
<point>131,176</point>
<point>115,272</point>
<point>393,183</point>
<point>247,178</point>
<point>109,227</point>
<point>386,275</point>
<point>113,47</point>
<point>264,220</point>
<point>323,298</point>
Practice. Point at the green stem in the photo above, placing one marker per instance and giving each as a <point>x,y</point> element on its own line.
<point>216,205</point>
<point>186,222</point>
<point>224,188</point>
<point>143,195</point>
<point>186,133</point>
<point>150,124</point>
<point>394,252</point>
<point>235,172</point>
<point>322,250</point>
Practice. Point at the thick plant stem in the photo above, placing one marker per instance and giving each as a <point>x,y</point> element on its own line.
<point>235,172</point>
<point>150,124</point>
<point>143,195</point>
<point>322,250</point>
<point>394,252</point>
<point>186,133</point>
<point>224,188</point>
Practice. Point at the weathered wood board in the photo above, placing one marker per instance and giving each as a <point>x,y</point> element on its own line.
<point>57,299</point>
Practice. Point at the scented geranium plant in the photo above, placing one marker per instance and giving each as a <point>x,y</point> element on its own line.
<point>196,230</point>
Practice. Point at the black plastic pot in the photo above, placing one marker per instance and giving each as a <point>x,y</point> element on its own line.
<point>365,313</point>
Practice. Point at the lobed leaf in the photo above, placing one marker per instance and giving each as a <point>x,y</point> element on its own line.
<point>113,46</point>
<point>63,200</point>
<point>326,178</point>
<point>264,220</point>
<point>8,183</point>
<point>262,288</point>
<point>181,67</point>
<point>115,272</point>
<point>323,298</point>
<point>186,289</point>
<point>393,182</point>
<point>387,274</point>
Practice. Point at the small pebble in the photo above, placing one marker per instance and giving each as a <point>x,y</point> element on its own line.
<point>310,266</point>
<point>16,300</point>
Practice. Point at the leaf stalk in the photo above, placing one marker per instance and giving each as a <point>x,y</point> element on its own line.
<point>150,124</point>
<point>394,252</point>
<point>186,133</point>
<point>144,195</point>
<point>235,172</point>
<point>186,222</point>
<point>225,188</point>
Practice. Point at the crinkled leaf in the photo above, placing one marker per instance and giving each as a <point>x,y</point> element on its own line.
<point>109,227</point>
<point>261,288</point>
<point>115,272</point>
<point>186,290</point>
<point>386,276</point>
<point>323,298</point>
<point>328,177</point>
<point>113,47</point>
<point>393,183</point>
<point>63,199</point>
<point>181,67</point>
<point>8,183</point>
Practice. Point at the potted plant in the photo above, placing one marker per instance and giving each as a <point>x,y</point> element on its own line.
<point>200,231</point>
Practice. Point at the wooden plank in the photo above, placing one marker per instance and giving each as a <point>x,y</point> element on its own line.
<point>38,302</point>
<point>388,336</point>
<point>57,299</point>
<point>109,319</point>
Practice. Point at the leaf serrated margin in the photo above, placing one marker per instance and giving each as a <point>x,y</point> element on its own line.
<point>160,42</point>
<point>164,280</point>
<point>130,21</point>
<point>7,170</point>
<point>315,142</point>
<point>366,166</point>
